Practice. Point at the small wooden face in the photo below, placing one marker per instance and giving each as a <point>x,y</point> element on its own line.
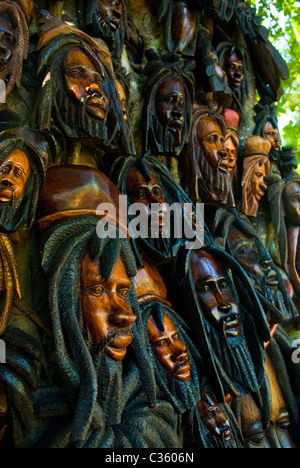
<point>214,293</point>
<point>246,252</point>
<point>14,173</point>
<point>106,313</point>
<point>148,193</point>
<point>232,154</point>
<point>110,12</point>
<point>292,204</point>
<point>7,40</point>
<point>258,186</point>
<point>83,83</point>
<point>272,136</point>
<point>170,350</point>
<point>235,71</point>
<point>215,420</point>
<point>212,142</point>
<point>123,100</point>
<point>170,106</point>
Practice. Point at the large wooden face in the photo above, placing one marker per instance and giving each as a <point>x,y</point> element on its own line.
<point>110,12</point>
<point>212,142</point>
<point>7,40</point>
<point>14,173</point>
<point>84,83</point>
<point>170,104</point>
<point>106,313</point>
<point>272,136</point>
<point>170,350</point>
<point>214,293</point>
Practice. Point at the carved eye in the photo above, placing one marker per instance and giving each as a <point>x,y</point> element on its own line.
<point>123,292</point>
<point>157,192</point>
<point>96,290</point>
<point>141,195</point>
<point>161,344</point>
<point>204,289</point>
<point>223,285</point>
<point>5,170</point>
<point>19,174</point>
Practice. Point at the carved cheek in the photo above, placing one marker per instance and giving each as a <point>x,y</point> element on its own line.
<point>95,315</point>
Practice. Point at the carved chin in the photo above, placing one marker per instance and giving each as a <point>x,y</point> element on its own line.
<point>117,348</point>
<point>97,111</point>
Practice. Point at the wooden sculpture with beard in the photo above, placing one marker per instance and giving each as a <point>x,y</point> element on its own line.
<point>222,328</point>
<point>205,159</point>
<point>169,93</point>
<point>256,168</point>
<point>15,17</point>
<point>79,95</point>
<point>107,20</point>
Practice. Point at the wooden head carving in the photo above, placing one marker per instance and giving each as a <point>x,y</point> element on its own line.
<point>256,169</point>
<point>15,17</point>
<point>106,314</point>
<point>169,349</point>
<point>168,94</point>
<point>267,127</point>
<point>232,143</point>
<point>205,159</point>
<point>81,98</point>
<point>107,20</point>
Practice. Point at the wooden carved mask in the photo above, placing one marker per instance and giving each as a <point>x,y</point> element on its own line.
<point>169,349</point>
<point>14,173</point>
<point>235,71</point>
<point>170,107</point>
<point>7,41</point>
<point>291,198</point>
<point>212,142</point>
<point>215,296</point>
<point>272,135</point>
<point>83,83</point>
<point>106,313</point>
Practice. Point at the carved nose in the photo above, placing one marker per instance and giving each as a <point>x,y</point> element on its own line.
<point>122,320</point>
<point>6,182</point>
<point>182,357</point>
<point>224,307</point>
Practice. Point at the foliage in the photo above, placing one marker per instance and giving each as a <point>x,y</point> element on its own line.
<point>282,19</point>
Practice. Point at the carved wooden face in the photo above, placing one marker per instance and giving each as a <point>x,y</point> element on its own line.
<point>170,104</point>
<point>123,100</point>
<point>292,204</point>
<point>7,40</point>
<point>258,186</point>
<point>232,154</point>
<point>245,251</point>
<point>215,420</point>
<point>235,71</point>
<point>110,13</point>
<point>147,193</point>
<point>106,314</point>
<point>272,135</point>
<point>170,350</point>
<point>214,293</point>
<point>14,173</point>
<point>83,83</point>
<point>212,142</point>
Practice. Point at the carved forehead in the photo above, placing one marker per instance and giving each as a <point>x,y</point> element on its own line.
<point>204,265</point>
<point>154,331</point>
<point>135,178</point>
<point>76,56</point>
<point>292,189</point>
<point>207,126</point>
<point>172,85</point>
<point>91,271</point>
<point>234,58</point>
<point>17,157</point>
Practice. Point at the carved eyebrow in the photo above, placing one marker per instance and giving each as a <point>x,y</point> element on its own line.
<point>9,163</point>
<point>209,279</point>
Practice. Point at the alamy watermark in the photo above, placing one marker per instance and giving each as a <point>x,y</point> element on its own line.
<point>2,352</point>
<point>296,352</point>
<point>153,221</point>
<point>2,92</point>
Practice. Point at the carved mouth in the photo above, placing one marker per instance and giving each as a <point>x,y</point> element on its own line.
<point>232,327</point>
<point>6,194</point>
<point>117,347</point>
<point>183,370</point>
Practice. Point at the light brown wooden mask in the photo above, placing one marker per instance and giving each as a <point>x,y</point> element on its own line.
<point>106,313</point>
